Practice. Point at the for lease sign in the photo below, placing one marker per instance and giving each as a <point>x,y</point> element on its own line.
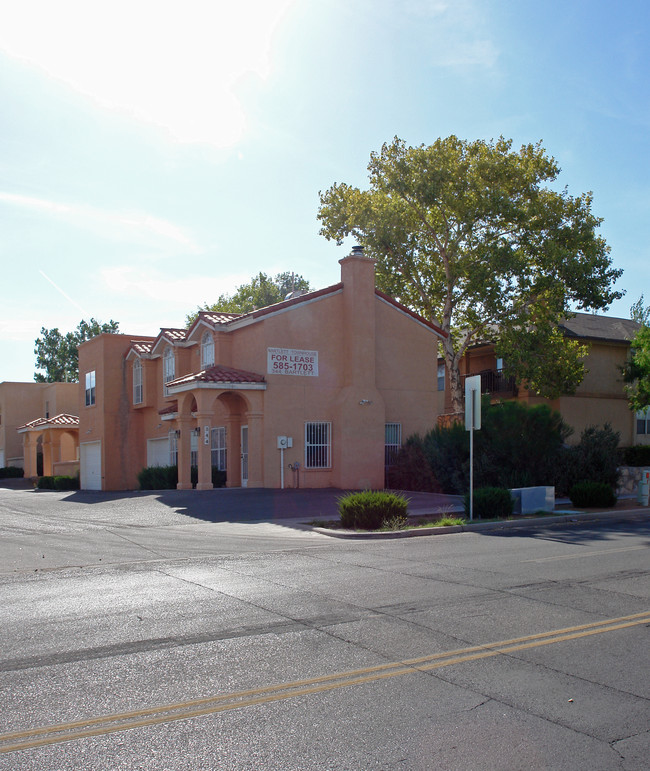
<point>290,361</point>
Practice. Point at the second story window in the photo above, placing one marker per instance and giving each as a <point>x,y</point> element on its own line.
<point>441,377</point>
<point>207,351</point>
<point>90,388</point>
<point>137,382</point>
<point>169,367</point>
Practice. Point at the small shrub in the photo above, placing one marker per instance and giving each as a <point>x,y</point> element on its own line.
<point>490,503</point>
<point>592,494</point>
<point>369,509</point>
<point>63,483</point>
<point>11,472</point>
<point>639,455</point>
<point>59,483</point>
<point>158,478</point>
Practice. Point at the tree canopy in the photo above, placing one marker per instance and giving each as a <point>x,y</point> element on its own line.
<point>470,235</point>
<point>57,354</point>
<point>636,371</point>
<point>262,290</point>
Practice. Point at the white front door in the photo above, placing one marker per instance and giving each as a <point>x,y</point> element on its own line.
<point>244,456</point>
<point>90,461</point>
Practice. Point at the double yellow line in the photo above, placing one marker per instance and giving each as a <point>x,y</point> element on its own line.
<point>99,726</point>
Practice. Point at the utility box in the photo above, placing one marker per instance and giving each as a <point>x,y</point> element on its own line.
<point>528,500</point>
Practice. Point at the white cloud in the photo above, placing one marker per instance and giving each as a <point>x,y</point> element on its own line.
<point>172,64</point>
<point>137,227</point>
<point>184,291</point>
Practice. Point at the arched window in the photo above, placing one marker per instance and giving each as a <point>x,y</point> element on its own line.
<point>207,351</point>
<point>137,382</point>
<point>169,367</point>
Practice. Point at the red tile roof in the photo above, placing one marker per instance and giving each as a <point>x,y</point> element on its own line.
<point>219,374</point>
<point>142,346</point>
<point>174,334</point>
<point>58,421</point>
<point>217,317</point>
<point>170,409</point>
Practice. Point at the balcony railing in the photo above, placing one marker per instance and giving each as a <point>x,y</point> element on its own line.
<point>493,381</point>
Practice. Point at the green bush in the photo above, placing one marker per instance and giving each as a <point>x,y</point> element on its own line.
<point>411,470</point>
<point>639,455</point>
<point>166,477</point>
<point>158,478</point>
<point>11,472</point>
<point>63,483</point>
<point>592,494</point>
<point>490,503</point>
<point>59,483</point>
<point>597,455</point>
<point>447,452</point>
<point>369,509</point>
<point>518,446</point>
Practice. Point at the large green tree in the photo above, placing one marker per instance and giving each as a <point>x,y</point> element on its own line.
<point>260,291</point>
<point>57,354</point>
<point>636,371</point>
<point>470,235</point>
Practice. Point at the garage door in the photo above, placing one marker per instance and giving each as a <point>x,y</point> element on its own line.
<point>90,461</point>
<point>158,452</point>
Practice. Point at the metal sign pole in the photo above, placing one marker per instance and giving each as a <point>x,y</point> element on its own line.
<point>472,421</point>
<point>471,461</point>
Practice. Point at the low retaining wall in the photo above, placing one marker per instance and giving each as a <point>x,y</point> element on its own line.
<point>628,480</point>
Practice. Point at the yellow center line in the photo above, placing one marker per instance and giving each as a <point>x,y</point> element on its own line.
<point>586,554</point>
<point>223,702</point>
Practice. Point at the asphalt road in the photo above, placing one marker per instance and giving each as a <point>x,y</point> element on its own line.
<point>138,635</point>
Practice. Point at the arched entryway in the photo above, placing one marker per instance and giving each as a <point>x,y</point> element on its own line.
<point>235,410</point>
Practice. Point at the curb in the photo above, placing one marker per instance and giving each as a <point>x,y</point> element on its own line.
<point>568,517</point>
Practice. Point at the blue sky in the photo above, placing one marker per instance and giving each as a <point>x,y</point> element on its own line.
<point>156,154</point>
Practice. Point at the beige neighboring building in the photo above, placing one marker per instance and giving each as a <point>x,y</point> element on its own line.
<point>39,419</point>
<point>599,399</point>
<point>315,391</point>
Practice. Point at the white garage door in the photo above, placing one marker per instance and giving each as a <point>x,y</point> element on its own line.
<point>158,452</point>
<point>90,461</point>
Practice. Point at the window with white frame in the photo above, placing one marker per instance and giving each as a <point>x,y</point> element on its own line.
<point>169,367</point>
<point>173,448</point>
<point>218,448</point>
<point>207,351</point>
<point>643,421</point>
<point>137,382</point>
<point>318,444</point>
<point>90,388</point>
<point>392,443</point>
<point>441,377</point>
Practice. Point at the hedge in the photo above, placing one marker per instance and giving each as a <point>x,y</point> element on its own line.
<point>369,509</point>
<point>11,472</point>
<point>490,503</point>
<point>59,483</point>
<point>587,494</point>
